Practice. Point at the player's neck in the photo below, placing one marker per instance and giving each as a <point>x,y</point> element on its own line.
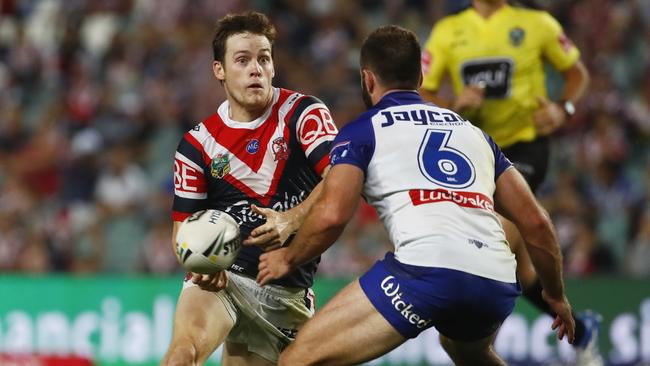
<point>240,113</point>
<point>487,8</point>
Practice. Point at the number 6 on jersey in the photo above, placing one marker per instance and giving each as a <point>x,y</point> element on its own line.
<point>442,164</point>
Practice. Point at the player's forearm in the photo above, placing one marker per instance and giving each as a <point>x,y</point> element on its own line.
<point>319,231</point>
<point>176,225</point>
<point>576,81</point>
<point>545,254</point>
<point>326,220</point>
<point>549,269</point>
<point>298,213</point>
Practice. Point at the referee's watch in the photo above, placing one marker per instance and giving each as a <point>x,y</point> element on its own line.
<point>568,108</point>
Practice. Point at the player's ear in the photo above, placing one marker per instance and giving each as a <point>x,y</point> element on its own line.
<point>368,79</point>
<point>218,70</point>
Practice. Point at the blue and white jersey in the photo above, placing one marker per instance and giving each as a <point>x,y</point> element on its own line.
<point>431,176</point>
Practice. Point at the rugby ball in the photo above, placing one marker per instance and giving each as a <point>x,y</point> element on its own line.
<point>208,241</point>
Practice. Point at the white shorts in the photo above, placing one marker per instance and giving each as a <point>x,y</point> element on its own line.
<point>266,318</point>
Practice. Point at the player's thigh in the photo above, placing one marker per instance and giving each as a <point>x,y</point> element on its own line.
<point>202,320</point>
<point>348,330</point>
<point>525,270</point>
<point>237,354</point>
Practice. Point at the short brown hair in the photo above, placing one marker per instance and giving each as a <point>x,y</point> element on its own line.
<point>393,53</point>
<point>248,22</point>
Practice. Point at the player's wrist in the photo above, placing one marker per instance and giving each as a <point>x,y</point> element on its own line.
<point>290,257</point>
<point>567,106</point>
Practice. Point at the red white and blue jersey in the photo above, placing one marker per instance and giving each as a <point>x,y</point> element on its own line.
<point>431,175</point>
<point>274,161</point>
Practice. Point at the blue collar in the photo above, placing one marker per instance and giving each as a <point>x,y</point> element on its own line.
<point>398,97</point>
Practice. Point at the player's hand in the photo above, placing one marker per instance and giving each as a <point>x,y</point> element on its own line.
<point>214,282</point>
<point>274,232</point>
<point>548,118</point>
<point>273,265</point>
<point>563,322</point>
<point>472,96</point>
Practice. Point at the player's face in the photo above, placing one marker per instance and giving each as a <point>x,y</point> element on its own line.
<point>248,70</point>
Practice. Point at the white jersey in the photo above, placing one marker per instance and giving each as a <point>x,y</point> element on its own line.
<point>431,177</point>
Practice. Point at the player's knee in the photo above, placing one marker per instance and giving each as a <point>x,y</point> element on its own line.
<point>181,353</point>
<point>458,355</point>
<point>448,345</point>
<point>479,353</point>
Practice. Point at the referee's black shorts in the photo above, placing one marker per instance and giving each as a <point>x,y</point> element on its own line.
<point>531,159</point>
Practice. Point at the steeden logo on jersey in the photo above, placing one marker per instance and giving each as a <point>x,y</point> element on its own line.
<point>464,199</point>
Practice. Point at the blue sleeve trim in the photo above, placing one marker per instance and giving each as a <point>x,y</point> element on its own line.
<point>501,162</point>
<point>355,145</point>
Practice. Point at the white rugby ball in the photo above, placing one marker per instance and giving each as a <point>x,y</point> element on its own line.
<point>208,241</point>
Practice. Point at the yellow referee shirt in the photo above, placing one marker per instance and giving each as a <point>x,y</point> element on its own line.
<point>506,52</point>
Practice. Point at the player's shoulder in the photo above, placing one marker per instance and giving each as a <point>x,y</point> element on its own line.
<point>293,97</point>
<point>197,137</point>
<point>200,131</point>
<point>361,126</point>
<point>306,114</point>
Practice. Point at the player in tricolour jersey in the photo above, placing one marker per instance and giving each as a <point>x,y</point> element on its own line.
<point>259,158</point>
<point>437,183</point>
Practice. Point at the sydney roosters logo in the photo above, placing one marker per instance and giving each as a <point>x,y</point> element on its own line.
<point>280,149</point>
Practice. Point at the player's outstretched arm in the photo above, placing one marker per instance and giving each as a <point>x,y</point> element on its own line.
<point>280,225</point>
<point>323,225</point>
<point>516,202</point>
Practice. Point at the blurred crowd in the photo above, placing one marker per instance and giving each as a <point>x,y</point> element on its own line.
<point>95,95</point>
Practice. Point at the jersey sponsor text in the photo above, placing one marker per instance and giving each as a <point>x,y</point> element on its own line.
<point>465,199</point>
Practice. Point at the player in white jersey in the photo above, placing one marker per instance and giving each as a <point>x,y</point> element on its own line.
<point>437,182</point>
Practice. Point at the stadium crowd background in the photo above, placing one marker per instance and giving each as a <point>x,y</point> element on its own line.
<point>94,96</point>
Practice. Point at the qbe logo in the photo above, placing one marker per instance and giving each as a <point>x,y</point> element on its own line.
<point>315,123</point>
<point>189,181</point>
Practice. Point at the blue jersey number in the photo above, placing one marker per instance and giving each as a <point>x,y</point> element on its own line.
<point>442,164</point>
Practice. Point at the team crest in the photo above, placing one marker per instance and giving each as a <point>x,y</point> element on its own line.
<point>517,36</point>
<point>280,149</point>
<point>220,166</point>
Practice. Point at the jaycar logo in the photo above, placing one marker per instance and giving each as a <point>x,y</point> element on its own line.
<point>391,290</point>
